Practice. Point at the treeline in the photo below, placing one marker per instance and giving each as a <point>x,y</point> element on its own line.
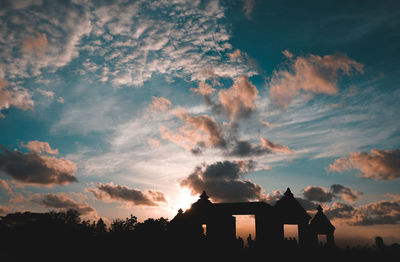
<point>56,235</point>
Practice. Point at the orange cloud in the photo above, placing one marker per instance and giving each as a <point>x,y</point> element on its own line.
<point>379,164</point>
<point>311,74</point>
<point>35,44</point>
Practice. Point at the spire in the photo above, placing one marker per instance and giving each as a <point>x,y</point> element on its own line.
<point>288,193</point>
<point>180,211</point>
<point>204,196</point>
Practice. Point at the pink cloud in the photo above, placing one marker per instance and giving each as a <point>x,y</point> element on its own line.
<point>379,164</point>
<point>40,147</point>
<point>235,55</point>
<point>248,7</point>
<point>35,44</point>
<point>204,89</point>
<point>160,104</point>
<point>198,130</point>
<point>239,99</point>
<point>310,74</point>
<point>4,184</point>
<point>17,96</point>
<point>273,147</point>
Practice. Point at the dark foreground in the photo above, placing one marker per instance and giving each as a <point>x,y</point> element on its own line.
<point>64,236</point>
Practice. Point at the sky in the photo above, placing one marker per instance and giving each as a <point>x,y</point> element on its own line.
<point>135,107</point>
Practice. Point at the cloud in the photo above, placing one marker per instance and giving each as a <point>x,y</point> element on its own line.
<point>35,44</point>
<point>160,104</point>
<point>37,168</point>
<point>59,29</point>
<point>4,184</point>
<point>235,55</point>
<point>377,213</point>
<point>16,96</point>
<point>204,89</point>
<point>239,99</point>
<point>203,131</point>
<point>47,93</point>
<point>248,7</point>
<point>379,164</point>
<point>40,147</point>
<point>223,181</point>
<point>63,202</point>
<point>339,210</point>
<point>198,131</point>
<point>273,147</point>
<point>337,191</point>
<point>60,100</point>
<point>125,194</point>
<point>316,193</point>
<point>311,74</point>
<point>346,193</point>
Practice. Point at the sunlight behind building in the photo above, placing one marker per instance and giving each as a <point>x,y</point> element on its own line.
<point>186,199</point>
<point>291,231</point>
<point>245,225</point>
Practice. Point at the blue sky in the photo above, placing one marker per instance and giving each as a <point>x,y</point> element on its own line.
<point>137,106</point>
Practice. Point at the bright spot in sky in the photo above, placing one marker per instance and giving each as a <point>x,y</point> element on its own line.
<point>186,199</point>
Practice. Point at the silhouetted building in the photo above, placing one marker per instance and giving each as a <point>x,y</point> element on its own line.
<point>219,224</point>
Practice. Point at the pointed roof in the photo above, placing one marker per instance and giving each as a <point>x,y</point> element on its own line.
<point>290,210</point>
<point>204,196</point>
<point>320,223</point>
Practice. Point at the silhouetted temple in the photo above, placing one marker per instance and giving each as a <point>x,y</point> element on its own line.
<point>220,224</point>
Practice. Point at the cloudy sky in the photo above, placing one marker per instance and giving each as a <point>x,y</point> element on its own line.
<point>138,106</point>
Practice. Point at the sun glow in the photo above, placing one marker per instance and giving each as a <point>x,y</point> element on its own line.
<point>186,199</point>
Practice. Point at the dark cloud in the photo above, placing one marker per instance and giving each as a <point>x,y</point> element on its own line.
<point>222,181</point>
<point>377,213</point>
<point>339,210</point>
<point>337,191</point>
<point>379,164</point>
<point>316,193</point>
<point>245,148</point>
<point>36,168</point>
<point>63,202</point>
<point>346,193</point>
<point>125,194</point>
